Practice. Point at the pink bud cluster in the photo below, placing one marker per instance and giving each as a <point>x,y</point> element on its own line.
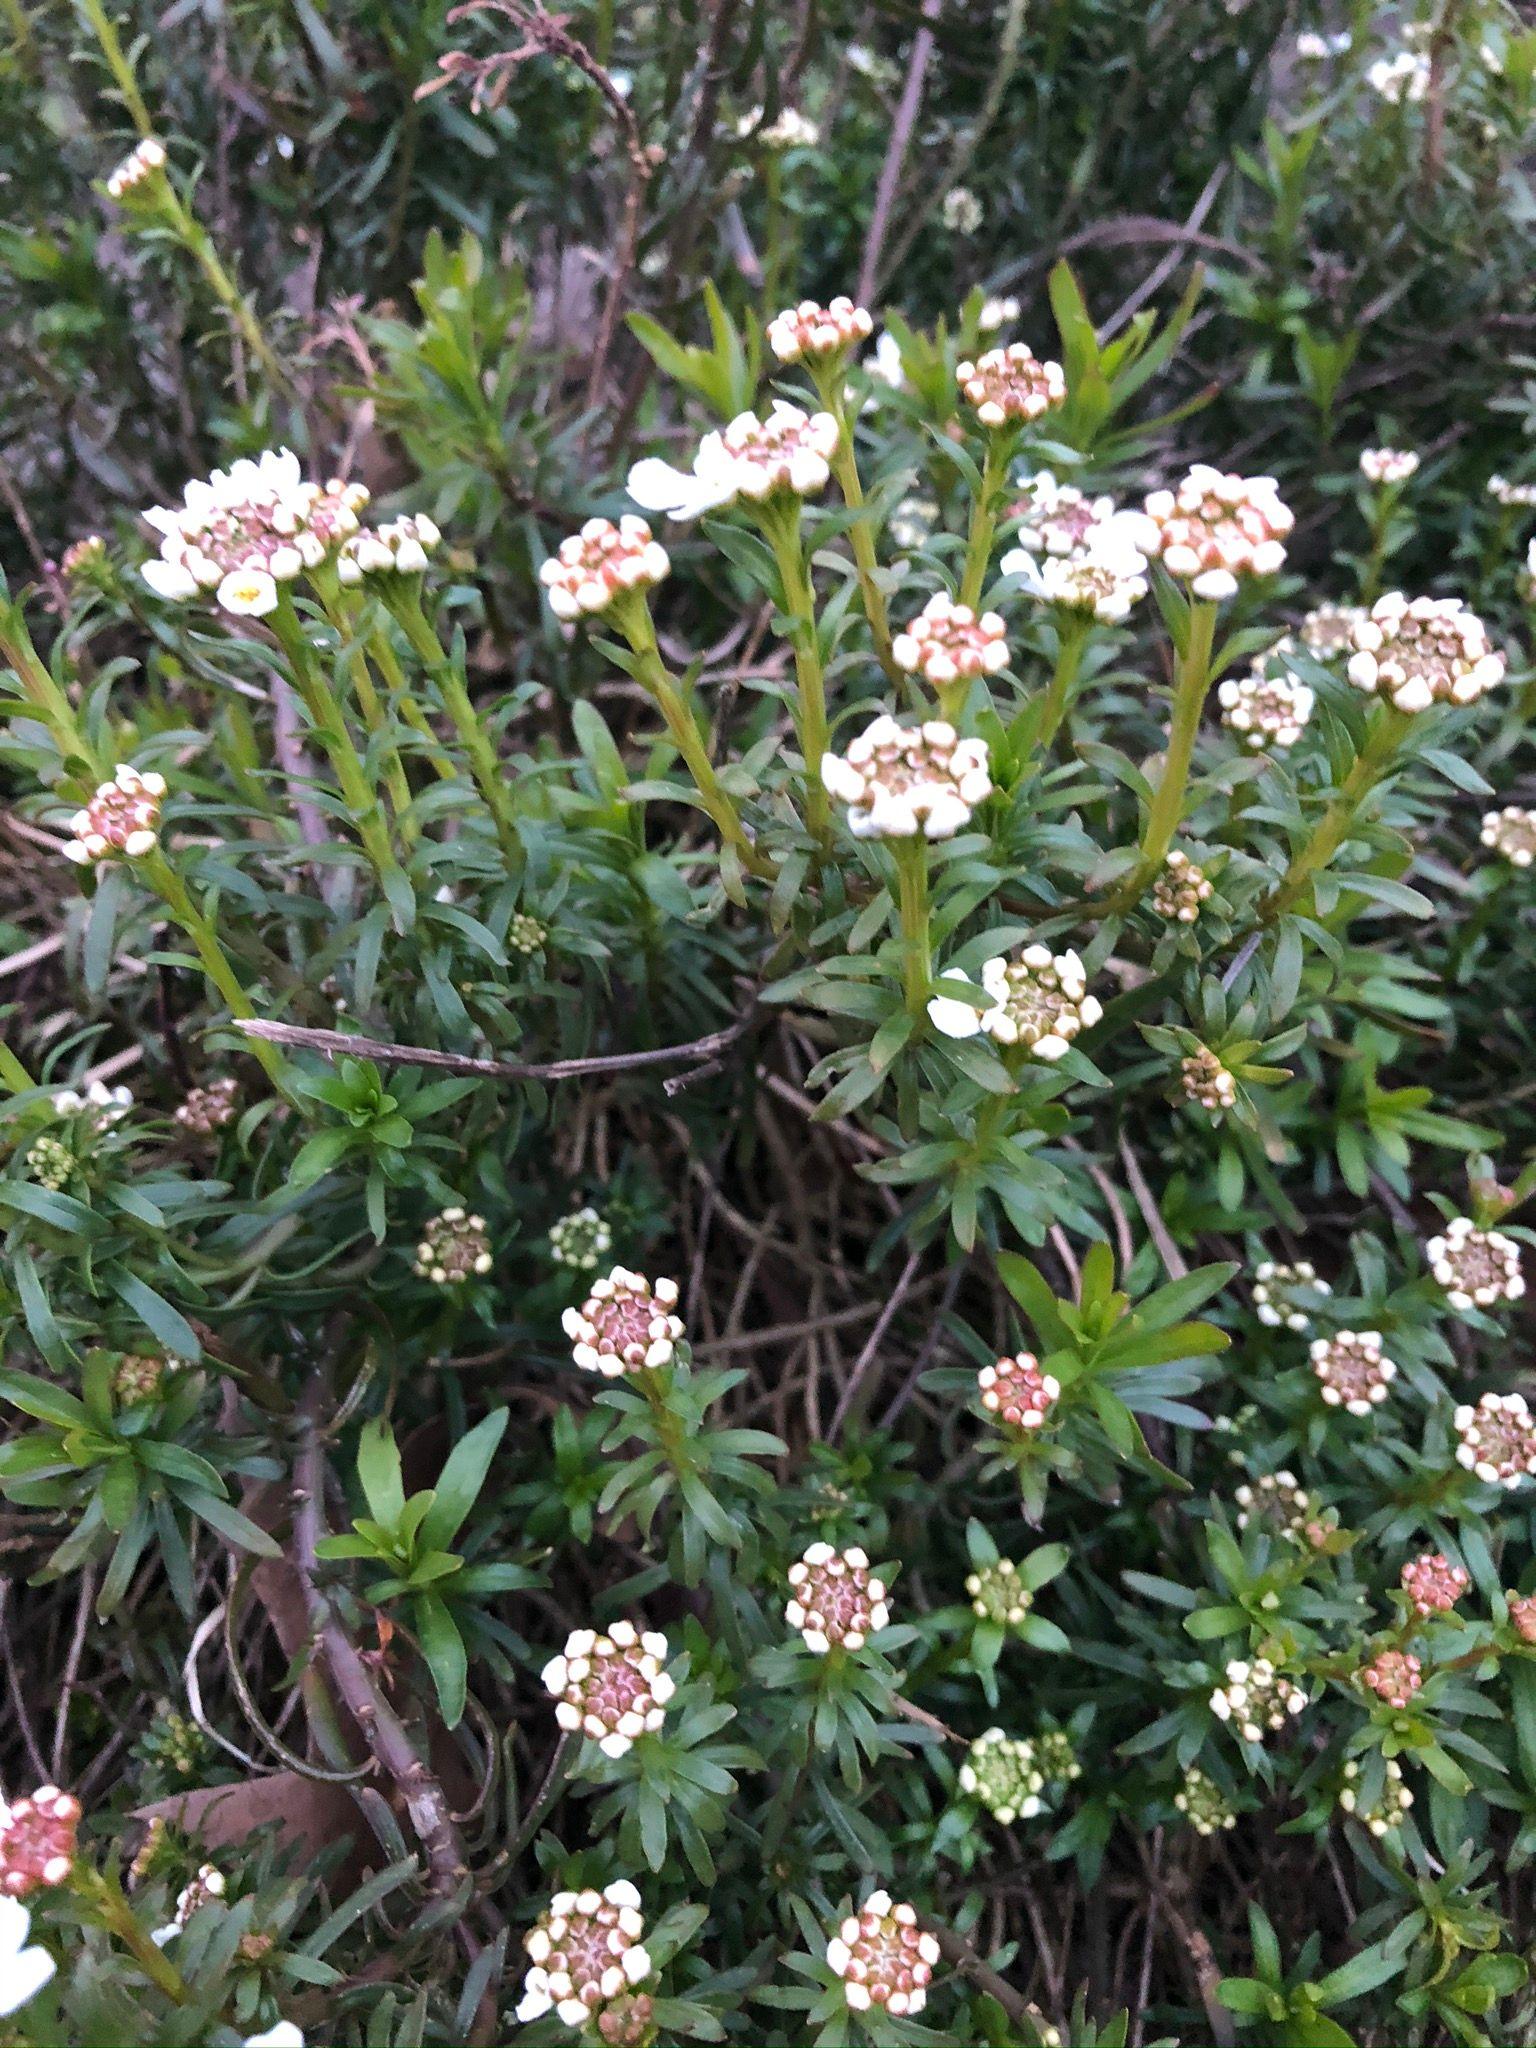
<point>585,1952</point>
<point>1215,529</point>
<point>1354,1371</point>
<point>949,642</point>
<point>611,1687</point>
<point>1433,1584</point>
<point>883,1958</point>
<point>835,1601</point>
<point>1394,1676</point>
<point>1475,1267</point>
<point>900,780</point>
<point>1522,1615</point>
<point>37,1841</point>
<point>1016,1392</point>
<point>206,1110</point>
<point>123,817</point>
<point>1010,385</point>
<point>401,547</point>
<point>142,163</point>
<point>1420,651</point>
<point>626,1324</point>
<point>1498,1439</point>
<point>598,565</point>
<point>249,529</point>
<point>1265,711</point>
<point>789,451</point>
<point>812,333</point>
<point>1207,1081</point>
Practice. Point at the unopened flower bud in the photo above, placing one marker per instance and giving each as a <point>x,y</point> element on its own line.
<point>1017,1393</point>
<point>122,818</point>
<point>626,1324</point>
<point>1354,1371</point>
<point>610,1687</point>
<point>1010,385</point>
<point>835,1601</point>
<point>1475,1267</point>
<point>454,1248</point>
<point>883,1958</point>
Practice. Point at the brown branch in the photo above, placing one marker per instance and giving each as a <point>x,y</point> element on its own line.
<point>896,150</point>
<point>957,1950</point>
<point>336,1043</point>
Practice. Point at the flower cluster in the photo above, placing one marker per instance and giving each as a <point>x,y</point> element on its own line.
<point>883,1958</point>
<point>402,547</point>
<point>37,1841</point>
<point>84,560</point>
<point>142,165</point>
<point>1180,889</point>
<point>585,1951</point>
<point>247,530</point>
<point>50,1162</point>
<point>1393,1675</point>
<point>602,562</point>
<point>1329,629</point>
<point>1263,710</point>
<point>208,1884</point>
<point>1401,78</point>
<point>834,1600</point>
<point>580,1240</point>
<point>1273,1288</point>
<point>1387,465</point>
<point>961,210</point>
<point>138,1376</point>
<point>1256,1698</point>
<point>789,452</point>
<point>1016,1392</point>
<point>100,1106</point>
<point>947,642</point>
<point>1475,1267</point>
<point>454,1248</point>
<point>123,817</point>
<point>1503,492</point>
<point>1000,1770</point>
<point>1203,1803</point>
<point>1498,1439</point>
<point>1512,833</point>
<point>206,1110</point>
<point>1522,1616</point>
<point>1103,579</point>
<point>1056,1754</point>
<point>1420,651</point>
<point>1039,1000</point>
<point>1354,1371</point>
<point>1433,1584</point>
<point>900,780</point>
<point>996,313</point>
<point>789,129</point>
<point>525,934</point>
<point>611,1687</point>
<point>1058,519</point>
<point>1207,1082</point>
<point>1277,1499</point>
<point>1391,1806</point>
<point>1008,385</point>
<point>998,1594</point>
<point>626,1324</point>
<point>812,333</point>
<point>1214,529</point>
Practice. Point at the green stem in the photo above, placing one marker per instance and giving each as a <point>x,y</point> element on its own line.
<point>781,525</point>
<point>404,601</point>
<point>1191,683</point>
<point>46,697</point>
<point>105,1894</point>
<point>199,245</point>
<point>176,896</point>
<point>978,544</point>
<point>1380,519</point>
<point>773,229</point>
<point>1332,828</point>
<point>911,858</point>
<point>375,717</point>
<point>1072,633</point>
<point>634,621</point>
<point>388,664</point>
<point>330,729</point>
<point>117,63</point>
<point>845,467</point>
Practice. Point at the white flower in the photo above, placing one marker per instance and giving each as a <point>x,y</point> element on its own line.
<point>1215,528</point>
<point>899,780</point>
<point>1039,1001</point>
<point>810,332</point>
<point>248,593</point>
<point>884,361</point>
<point>1316,49</point>
<point>751,458</point>
<point>1263,710</point>
<point>948,642</point>
<point>173,581</point>
<point>1105,577</point>
<point>961,211</point>
<point>1404,77</point>
<point>997,313</point>
<point>23,1970</point>
<point>1387,465</point>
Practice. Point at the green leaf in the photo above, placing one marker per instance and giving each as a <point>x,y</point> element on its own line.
<point>460,1481</point>
<point>1031,1290</point>
<point>443,1648</point>
<point>378,1473</point>
<point>165,1323</point>
<point>39,1398</point>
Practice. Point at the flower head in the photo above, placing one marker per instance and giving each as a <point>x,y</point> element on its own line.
<point>208,1884</point>
<point>626,1324</point>
<point>1207,1082</point>
<point>1001,1771</point>
<point>900,780</point>
<point>947,642</point>
<point>1392,1805</point>
<point>1512,833</point>
<point>1058,519</point>
<point>1276,1499</point>
<point>454,1248</point>
<point>1393,1675</point>
<point>1313,48</point>
<point>139,1376</point>
<point>1180,889</point>
<point>248,530</point>
<point>1215,529</point>
<point>137,176</point>
<point>1423,651</point>
<point>1387,465</point>
<point>961,211</point>
<point>1263,710</point>
<point>835,1601</point>
<point>1475,1267</point>
<point>525,934</point>
<point>123,817</point>
<point>789,129</point>
<point>1354,1371</point>
<point>1497,1439</point>
<point>809,333</point>
<point>1522,1615</point>
<point>593,568</point>
<point>580,1240</point>
<point>1503,492</point>
<point>401,547</point>
<point>1016,1392</point>
<point>883,1958</point>
<point>1433,1584</point>
<point>1040,1001</point>
<point>1329,629</point>
<point>1009,385</point>
<point>1401,78</point>
<point>1256,1698</point>
<point>1104,578</point>
<point>585,1952</point>
<point>787,454</point>
<point>100,1107</point>
<point>206,1110</point>
<point>24,1970</point>
<point>1203,1803</point>
<point>998,1594</point>
<point>611,1687</point>
<point>50,1162</point>
<point>85,560</point>
<point>997,313</point>
<point>1274,1290</point>
<point>37,1841</point>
